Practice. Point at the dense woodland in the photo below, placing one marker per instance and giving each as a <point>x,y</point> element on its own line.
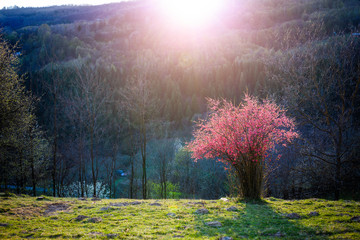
<point>111,94</point>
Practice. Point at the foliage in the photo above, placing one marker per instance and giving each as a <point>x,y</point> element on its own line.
<point>22,143</point>
<point>172,191</point>
<point>16,103</point>
<point>243,137</point>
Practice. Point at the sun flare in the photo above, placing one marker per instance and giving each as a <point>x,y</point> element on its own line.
<point>191,13</point>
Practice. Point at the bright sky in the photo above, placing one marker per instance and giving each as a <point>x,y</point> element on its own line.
<point>44,3</point>
<point>191,12</point>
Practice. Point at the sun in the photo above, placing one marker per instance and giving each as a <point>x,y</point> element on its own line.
<point>191,13</point>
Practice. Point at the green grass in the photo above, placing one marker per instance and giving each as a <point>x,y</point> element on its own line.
<point>25,217</point>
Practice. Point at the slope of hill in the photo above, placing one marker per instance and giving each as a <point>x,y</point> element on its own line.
<point>256,47</point>
<point>61,218</point>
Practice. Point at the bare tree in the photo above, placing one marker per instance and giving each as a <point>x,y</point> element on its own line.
<point>114,128</point>
<point>131,146</point>
<point>88,98</point>
<point>38,155</point>
<point>165,153</point>
<point>141,104</point>
<point>73,105</point>
<point>320,82</point>
<point>52,76</point>
<point>113,137</point>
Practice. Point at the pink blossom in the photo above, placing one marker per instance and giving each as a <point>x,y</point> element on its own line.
<point>244,133</point>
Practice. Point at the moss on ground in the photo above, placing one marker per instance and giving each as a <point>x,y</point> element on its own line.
<point>60,218</point>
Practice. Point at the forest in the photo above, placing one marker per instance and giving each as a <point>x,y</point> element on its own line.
<point>103,100</point>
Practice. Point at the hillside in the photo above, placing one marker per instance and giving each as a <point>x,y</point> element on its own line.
<point>63,218</point>
<point>119,88</point>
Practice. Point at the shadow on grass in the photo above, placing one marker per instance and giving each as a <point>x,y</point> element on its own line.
<point>254,220</point>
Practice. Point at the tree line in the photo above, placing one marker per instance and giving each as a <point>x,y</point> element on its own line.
<point>108,104</point>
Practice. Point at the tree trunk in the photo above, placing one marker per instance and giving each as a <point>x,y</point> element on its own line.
<point>162,186</point>
<point>81,180</point>
<point>6,183</point>
<point>92,156</point>
<point>55,148</point>
<point>338,179</point>
<point>84,182</point>
<point>112,172</point>
<point>161,189</point>
<point>132,177</point>
<point>144,181</point>
<point>32,164</point>
<point>338,158</point>
<point>143,154</point>
<point>33,179</point>
<point>250,175</point>
<point>21,172</point>
<point>114,183</point>
<point>165,193</point>
<point>5,166</point>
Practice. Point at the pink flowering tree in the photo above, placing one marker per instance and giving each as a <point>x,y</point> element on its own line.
<point>242,137</point>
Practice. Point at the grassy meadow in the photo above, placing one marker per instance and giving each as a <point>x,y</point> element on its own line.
<point>24,217</point>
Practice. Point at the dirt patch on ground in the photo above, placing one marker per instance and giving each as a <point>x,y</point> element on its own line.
<point>38,210</point>
<point>124,204</point>
<point>29,211</point>
<point>52,208</point>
